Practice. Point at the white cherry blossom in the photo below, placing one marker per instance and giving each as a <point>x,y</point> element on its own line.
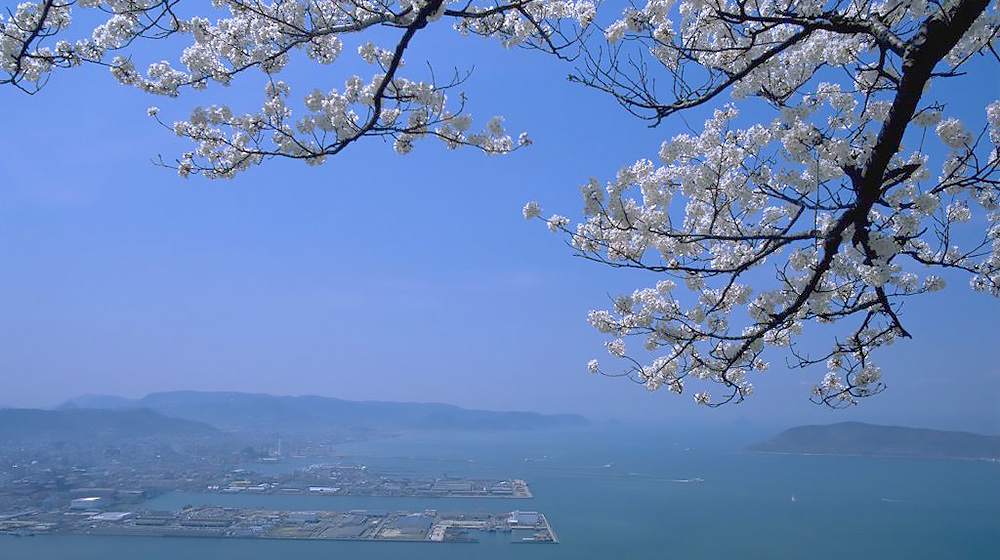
<point>236,36</point>
<point>813,193</point>
<point>825,192</point>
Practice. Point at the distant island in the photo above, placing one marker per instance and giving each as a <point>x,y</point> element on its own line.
<point>870,440</point>
<point>262,413</point>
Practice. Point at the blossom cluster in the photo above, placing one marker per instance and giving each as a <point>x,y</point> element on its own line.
<point>265,36</point>
<point>794,219</point>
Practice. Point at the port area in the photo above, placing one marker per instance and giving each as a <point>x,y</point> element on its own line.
<point>362,481</point>
<point>524,527</point>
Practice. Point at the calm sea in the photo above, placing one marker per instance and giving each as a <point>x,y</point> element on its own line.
<point>621,494</point>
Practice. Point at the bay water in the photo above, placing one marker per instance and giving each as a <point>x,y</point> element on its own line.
<point>620,493</point>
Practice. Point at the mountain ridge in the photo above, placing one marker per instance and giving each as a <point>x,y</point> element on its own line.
<point>237,411</point>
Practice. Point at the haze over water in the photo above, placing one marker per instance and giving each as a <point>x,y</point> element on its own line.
<point>620,494</point>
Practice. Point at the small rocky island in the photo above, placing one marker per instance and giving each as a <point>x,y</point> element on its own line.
<point>871,440</point>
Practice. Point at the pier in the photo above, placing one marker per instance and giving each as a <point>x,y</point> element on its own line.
<point>355,525</point>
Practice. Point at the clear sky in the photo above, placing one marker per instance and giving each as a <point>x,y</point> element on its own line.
<point>374,276</point>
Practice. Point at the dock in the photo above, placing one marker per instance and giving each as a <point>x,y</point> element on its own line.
<point>356,525</point>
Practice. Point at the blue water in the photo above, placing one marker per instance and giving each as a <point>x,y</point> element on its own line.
<point>616,494</point>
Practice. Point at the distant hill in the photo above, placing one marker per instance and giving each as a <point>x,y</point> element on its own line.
<point>856,438</point>
<point>271,414</point>
<point>23,424</point>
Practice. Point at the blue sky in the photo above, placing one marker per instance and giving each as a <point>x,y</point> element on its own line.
<point>374,276</point>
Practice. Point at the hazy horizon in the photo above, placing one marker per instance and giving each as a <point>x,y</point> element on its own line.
<point>741,426</point>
